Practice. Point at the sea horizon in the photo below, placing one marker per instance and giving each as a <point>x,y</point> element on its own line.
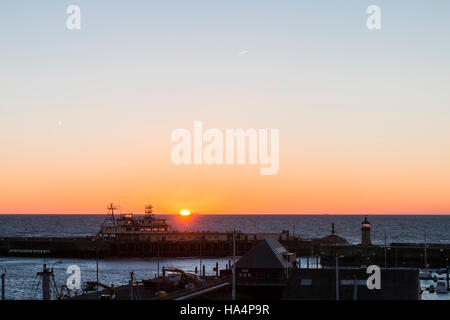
<point>254,213</point>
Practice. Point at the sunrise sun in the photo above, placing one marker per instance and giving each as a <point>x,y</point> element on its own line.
<point>185,213</point>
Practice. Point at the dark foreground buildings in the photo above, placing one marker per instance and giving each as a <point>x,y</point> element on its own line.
<point>269,271</point>
<point>396,284</point>
<point>264,271</point>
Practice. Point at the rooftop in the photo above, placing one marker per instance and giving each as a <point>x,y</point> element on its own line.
<point>267,254</point>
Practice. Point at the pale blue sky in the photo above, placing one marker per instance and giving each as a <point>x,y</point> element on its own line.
<point>294,47</point>
<point>164,57</point>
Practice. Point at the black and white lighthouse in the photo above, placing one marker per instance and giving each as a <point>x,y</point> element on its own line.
<point>365,232</point>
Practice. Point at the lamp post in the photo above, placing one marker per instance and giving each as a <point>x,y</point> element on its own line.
<point>425,250</point>
<point>337,276</point>
<point>96,261</point>
<point>385,250</point>
<point>200,269</point>
<point>446,269</point>
<point>233,292</point>
<point>3,285</point>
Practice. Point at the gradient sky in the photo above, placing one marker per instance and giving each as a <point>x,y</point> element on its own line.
<point>86,116</point>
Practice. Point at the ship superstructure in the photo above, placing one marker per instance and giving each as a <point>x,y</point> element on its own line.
<point>149,228</point>
<point>129,227</point>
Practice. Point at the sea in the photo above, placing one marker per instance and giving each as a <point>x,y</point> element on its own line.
<point>22,281</point>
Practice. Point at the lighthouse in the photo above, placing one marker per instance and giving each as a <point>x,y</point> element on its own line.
<point>365,232</point>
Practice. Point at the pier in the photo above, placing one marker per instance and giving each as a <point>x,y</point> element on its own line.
<point>91,247</point>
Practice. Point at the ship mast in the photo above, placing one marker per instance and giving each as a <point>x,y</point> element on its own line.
<point>110,215</point>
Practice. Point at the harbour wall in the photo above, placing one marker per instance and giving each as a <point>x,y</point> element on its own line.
<point>91,247</point>
<point>392,255</point>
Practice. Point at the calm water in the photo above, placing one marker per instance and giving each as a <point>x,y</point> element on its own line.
<point>398,228</point>
<point>22,283</point>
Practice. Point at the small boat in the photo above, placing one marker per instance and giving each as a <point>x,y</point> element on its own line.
<point>426,275</point>
<point>441,287</point>
<point>431,289</point>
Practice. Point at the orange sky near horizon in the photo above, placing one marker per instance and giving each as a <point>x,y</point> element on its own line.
<point>79,168</point>
<point>58,182</point>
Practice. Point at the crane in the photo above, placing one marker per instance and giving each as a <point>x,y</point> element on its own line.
<point>185,277</point>
<point>110,289</point>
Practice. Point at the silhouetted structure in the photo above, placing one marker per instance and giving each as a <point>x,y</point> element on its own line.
<point>365,233</point>
<point>396,284</point>
<point>264,270</point>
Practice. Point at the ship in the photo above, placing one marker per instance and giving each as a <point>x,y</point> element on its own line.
<point>140,235</point>
<point>150,228</point>
<point>129,227</point>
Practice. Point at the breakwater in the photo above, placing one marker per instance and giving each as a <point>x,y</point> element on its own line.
<point>91,247</point>
<point>420,255</point>
<point>392,255</point>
